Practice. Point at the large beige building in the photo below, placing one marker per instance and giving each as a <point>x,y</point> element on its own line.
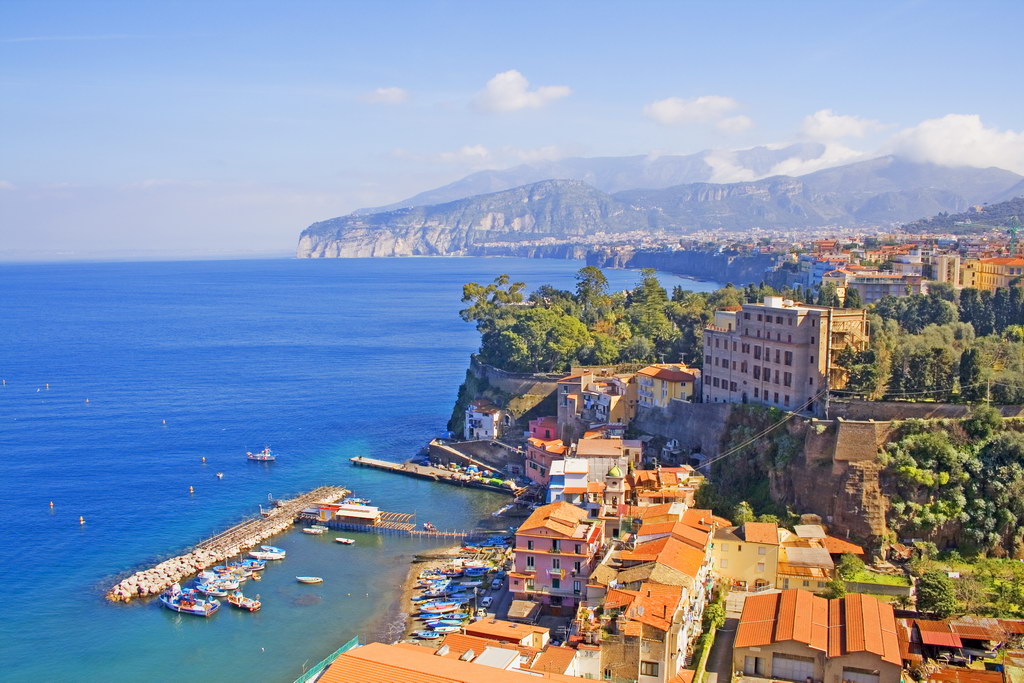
<point>992,273</point>
<point>779,353</point>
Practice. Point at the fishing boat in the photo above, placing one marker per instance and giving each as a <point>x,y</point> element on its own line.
<point>257,577</point>
<point>252,565</point>
<point>272,549</point>
<point>427,635</point>
<point>265,555</point>
<point>444,629</point>
<point>356,501</point>
<point>187,602</point>
<point>470,584</point>
<point>475,571</point>
<point>427,526</point>
<point>210,589</point>
<point>316,529</point>
<point>309,579</point>
<point>444,622</point>
<point>263,456</point>
<point>345,541</point>
<point>241,602</point>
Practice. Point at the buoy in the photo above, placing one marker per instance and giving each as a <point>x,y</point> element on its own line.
<point>164,421</point>
<point>51,504</point>
<point>47,386</point>
<point>191,490</point>
<point>86,400</point>
<point>81,520</point>
<point>204,458</point>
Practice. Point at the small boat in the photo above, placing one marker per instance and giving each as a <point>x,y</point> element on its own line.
<point>309,579</point>
<point>241,602</point>
<point>470,584</point>
<point>444,622</point>
<point>316,530</point>
<point>252,565</point>
<point>444,629</point>
<point>356,501</point>
<point>187,602</point>
<point>272,549</point>
<point>427,635</point>
<point>210,589</point>
<point>263,456</point>
<point>345,541</point>
<point>257,577</point>
<point>220,475</point>
<point>475,571</point>
<point>427,526</point>
<point>264,555</point>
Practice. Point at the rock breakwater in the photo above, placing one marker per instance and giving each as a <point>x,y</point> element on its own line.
<point>219,548</point>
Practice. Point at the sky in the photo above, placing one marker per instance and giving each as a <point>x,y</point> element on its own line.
<point>134,129</point>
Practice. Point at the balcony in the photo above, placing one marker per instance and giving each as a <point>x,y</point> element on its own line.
<point>565,592</point>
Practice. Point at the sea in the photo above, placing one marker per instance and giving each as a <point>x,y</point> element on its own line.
<point>118,379</point>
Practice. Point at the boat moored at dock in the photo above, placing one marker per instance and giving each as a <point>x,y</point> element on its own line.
<point>309,579</point>
<point>345,541</point>
<point>187,602</point>
<point>316,529</point>
<point>238,600</point>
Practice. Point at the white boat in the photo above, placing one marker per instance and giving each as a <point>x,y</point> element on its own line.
<point>316,530</point>
<point>345,541</point>
<point>309,579</point>
<point>264,555</point>
<point>263,456</point>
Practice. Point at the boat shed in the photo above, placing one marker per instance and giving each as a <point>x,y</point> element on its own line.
<point>349,514</point>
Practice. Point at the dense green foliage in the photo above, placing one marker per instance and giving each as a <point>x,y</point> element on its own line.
<point>935,594</point>
<point>552,329</point>
<point>999,214</point>
<point>961,479</point>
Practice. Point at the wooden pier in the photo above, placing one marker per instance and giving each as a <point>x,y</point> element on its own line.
<point>398,523</point>
<point>222,546</point>
<point>431,473</point>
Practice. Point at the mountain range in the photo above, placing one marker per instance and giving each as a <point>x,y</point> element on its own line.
<point>591,199</point>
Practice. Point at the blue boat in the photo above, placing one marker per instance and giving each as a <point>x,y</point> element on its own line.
<point>427,635</point>
<point>188,602</point>
<point>475,571</point>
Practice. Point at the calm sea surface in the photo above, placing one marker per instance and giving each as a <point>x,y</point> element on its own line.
<point>321,360</point>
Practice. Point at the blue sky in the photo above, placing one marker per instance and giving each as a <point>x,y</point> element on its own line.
<point>223,127</point>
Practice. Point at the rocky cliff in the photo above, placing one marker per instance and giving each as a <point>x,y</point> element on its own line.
<point>738,269</point>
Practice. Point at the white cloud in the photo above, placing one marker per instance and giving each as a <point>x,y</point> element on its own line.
<point>825,124</point>
<point>735,124</point>
<point>726,169</point>
<point>834,154</point>
<point>961,140</point>
<point>704,109</point>
<point>510,91</point>
<point>6,185</point>
<point>389,95</point>
<point>472,155</point>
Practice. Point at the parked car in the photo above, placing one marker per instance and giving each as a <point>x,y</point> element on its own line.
<point>496,584</point>
<point>486,602</point>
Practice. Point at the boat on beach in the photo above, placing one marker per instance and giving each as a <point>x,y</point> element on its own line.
<point>315,530</point>
<point>263,456</point>
<point>238,600</point>
<point>426,635</point>
<point>345,541</point>
<point>187,602</point>
<point>309,579</point>
<point>444,629</point>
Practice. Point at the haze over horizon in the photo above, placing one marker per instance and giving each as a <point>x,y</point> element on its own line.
<point>204,130</point>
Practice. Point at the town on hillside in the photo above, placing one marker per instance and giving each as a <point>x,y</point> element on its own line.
<point>815,482</point>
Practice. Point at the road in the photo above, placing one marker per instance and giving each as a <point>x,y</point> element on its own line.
<point>720,659</point>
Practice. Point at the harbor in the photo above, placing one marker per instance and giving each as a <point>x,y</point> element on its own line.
<point>222,546</point>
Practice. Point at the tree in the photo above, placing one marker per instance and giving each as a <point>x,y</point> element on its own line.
<point>591,290</point>
<point>834,589</point>
<point>742,513</point>
<point>827,296</point>
<point>935,594</point>
<point>486,302</point>
<point>971,388</point>
<point>849,566</point>
<point>714,616</point>
<point>852,299</point>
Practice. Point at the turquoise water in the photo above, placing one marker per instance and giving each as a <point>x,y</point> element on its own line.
<point>321,360</point>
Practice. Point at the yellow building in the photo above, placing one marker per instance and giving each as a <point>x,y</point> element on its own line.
<point>659,384</point>
<point>747,557</point>
<point>991,273</point>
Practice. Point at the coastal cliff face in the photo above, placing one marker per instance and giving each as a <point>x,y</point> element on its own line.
<point>494,224</point>
<point>697,264</point>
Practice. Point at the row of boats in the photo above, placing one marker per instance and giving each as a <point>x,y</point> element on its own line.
<point>443,603</point>
<point>319,529</point>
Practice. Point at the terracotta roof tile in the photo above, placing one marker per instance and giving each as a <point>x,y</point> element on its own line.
<point>838,546</point>
<point>761,532</point>
<point>554,659</point>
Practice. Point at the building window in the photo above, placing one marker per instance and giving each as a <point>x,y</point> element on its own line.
<point>786,397</point>
<point>759,318</point>
<point>746,316</point>
<point>789,339</point>
<point>757,353</point>
<point>743,367</point>
<point>776,399</point>
<point>787,379</point>
<point>716,343</point>
<point>724,563</point>
<point>806,584</point>
<point>607,674</point>
<point>648,668</point>
<point>577,587</point>
<point>760,567</point>
<point>556,583</point>
<point>761,551</point>
<point>757,372</point>
<point>756,390</point>
<point>529,584</point>
<point>776,376</point>
<point>734,365</point>
<point>777,355</point>
<point>759,333</point>
<point>778,319</point>
<point>529,562</point>
<point>734,346</point>
<point>576,567</point>
<point>529,545</point>
<point>810,359</point>
<point>788,358</point>
<point>556,546</point>
<point>810,381</point>
<point>556,563</point>
<point>714,382</point>
<point>579,549</point>
<point>812,340</point>
<point>732,386</point>
<point>707,360</point>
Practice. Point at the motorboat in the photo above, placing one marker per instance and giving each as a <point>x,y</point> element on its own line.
<point>345,541</point>
<point>210,589</point>
<point>444,629</point>
<point>187,602</point>
<point>309,579</point>
<point>264,555</point>
<point>315,530</point>
<point>427,635</point>
<point>272,549</point>
<point>238,600</point>
<point>263,456</point>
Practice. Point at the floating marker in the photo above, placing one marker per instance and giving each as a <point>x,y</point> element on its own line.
<point>81,520</point>
<point>47,386</point>
<point>51,504</point>
<point>86,400</point>
<point>164,421</point>
<point>191,490</point>
<point>204,458</point>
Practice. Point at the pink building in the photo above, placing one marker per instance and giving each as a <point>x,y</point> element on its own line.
<point>539,456</point>
<point>556,550</point>
<point>544,428</point>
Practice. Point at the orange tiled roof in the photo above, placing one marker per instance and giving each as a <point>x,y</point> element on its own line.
<point>670,373</point>
<point>1004,261</point>
<point>561,518</point>
<point>761,532</point>
<point>654,604</point>
<point>460,643</point>
<point>554,659</point>
<point>951,674</point>
<point>838,546</point>
<point>856,623</point>
<point>669,552</point>
<point>496,629</point>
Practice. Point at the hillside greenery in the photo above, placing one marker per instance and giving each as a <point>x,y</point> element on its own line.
<point>988,217</point>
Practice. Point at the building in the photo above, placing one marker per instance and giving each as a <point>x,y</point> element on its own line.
<point>541,454</point>
<point>603,454</point>
<point>591,397</point>
<point>797,636</point>
<point>747,557</point>
<point>657,385</point>
<point>873,286</point>
<point>483,420</point>
<point>664,485</point>
<point>556,549</point>
<point>992,273</point>
<point>779,353</point>
<point>408,663</point>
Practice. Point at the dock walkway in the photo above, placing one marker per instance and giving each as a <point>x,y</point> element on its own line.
<point>222,546</point>
<point>430,472</point>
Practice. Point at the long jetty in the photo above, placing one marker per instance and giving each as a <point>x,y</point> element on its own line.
<point>223,546</point>
<point>411,469</point>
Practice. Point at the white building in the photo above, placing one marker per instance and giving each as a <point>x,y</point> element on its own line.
<point>483,420</point>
